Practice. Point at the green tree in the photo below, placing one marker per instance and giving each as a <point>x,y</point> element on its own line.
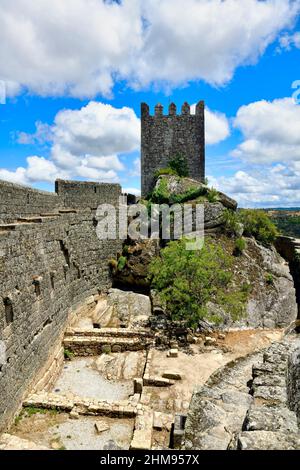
<point>258,224</point>
<point>187,280</point>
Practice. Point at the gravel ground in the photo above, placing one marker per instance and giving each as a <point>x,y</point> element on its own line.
<point>79,378</point>
<point>81,434</point>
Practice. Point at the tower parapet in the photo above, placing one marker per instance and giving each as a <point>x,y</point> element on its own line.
<point>166,135</point>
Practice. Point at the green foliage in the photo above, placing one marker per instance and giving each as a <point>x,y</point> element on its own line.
<point>68,354</point>
<point>33,410</point>
<point>125,249</point>
<point>122,261</point>
<point>161,193</point>
<point>239,246</point>
<point>231,221</point>
<point>189,195</point>
<point>258,224</point>
<point>179,165</point>
<point>187,280</point>
<point>165,171</point>
<point>234,303</point>
<point>287,224</point>
<point>212,195</point>
<point>246,287</point>
<point>269,279</point>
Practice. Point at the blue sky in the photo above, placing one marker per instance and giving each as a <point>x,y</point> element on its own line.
<point>76,72</point>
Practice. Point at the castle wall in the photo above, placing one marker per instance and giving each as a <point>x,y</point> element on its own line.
<point>289,248</point>
<point>19,201</point>
<point>165,136</point>
<point>49,266</point>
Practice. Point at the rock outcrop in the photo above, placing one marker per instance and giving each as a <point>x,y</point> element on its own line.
<point>224,415</point>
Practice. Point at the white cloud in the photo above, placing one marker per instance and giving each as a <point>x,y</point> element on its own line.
<point>136,171</point>
<point>287,41</point>
<point>270,153</point>
<point>266,187</point>
<point>135,191</point>
<point>38,169</point>
<point>80,47</point>
<point>95,131</point>
<point>85,143</point>
<point>271,131</point>
<point>216,127</point>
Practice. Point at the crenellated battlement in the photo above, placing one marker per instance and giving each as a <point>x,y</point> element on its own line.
<point>18,201</point>
<point>167,133</point>
<point>172,110</point>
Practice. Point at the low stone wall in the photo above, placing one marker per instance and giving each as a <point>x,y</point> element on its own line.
<point>109,332</point>
<point>83,406</point>
<point>94,345</point>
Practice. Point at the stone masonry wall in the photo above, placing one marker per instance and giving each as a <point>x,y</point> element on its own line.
<point>289,249</point>
<point>49,265</point>
<point>165,136</point>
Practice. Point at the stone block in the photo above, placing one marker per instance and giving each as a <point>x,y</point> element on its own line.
<point>172,375</point>
<point>173,353</point>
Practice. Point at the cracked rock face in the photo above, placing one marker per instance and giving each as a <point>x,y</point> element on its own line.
<point>275,306</point>
<point>130,308</point>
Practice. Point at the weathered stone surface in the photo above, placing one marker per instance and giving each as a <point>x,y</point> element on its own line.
<point>162,421</point>
<point>266,440</point>
<point>130,308</point>
<point>10,442</point>
<point>101,427</point>
<point>293,380</point>
<point>213,214</point>
<point>233,397</point>
<point>138,257</point>
<point>142,436</point>
<point>271,418</point>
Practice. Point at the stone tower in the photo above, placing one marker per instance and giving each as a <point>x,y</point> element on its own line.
<point>165,136</point>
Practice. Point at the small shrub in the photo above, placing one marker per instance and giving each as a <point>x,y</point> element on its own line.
<point>161,193</point>
<point>179,165</point>
<point>68,355</point>
<point>239,246</point>
<point>269,279</point>
<point>212,195</point>
<point>125,249</point>
<point>258,224</point>
<point>122,261</point>
<point>246,287</point>
<point>231,222</point>
<point>189,195</point>
<point>165,171</point>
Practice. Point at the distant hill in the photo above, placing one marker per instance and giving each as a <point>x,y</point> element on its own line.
<point>287,220</point>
